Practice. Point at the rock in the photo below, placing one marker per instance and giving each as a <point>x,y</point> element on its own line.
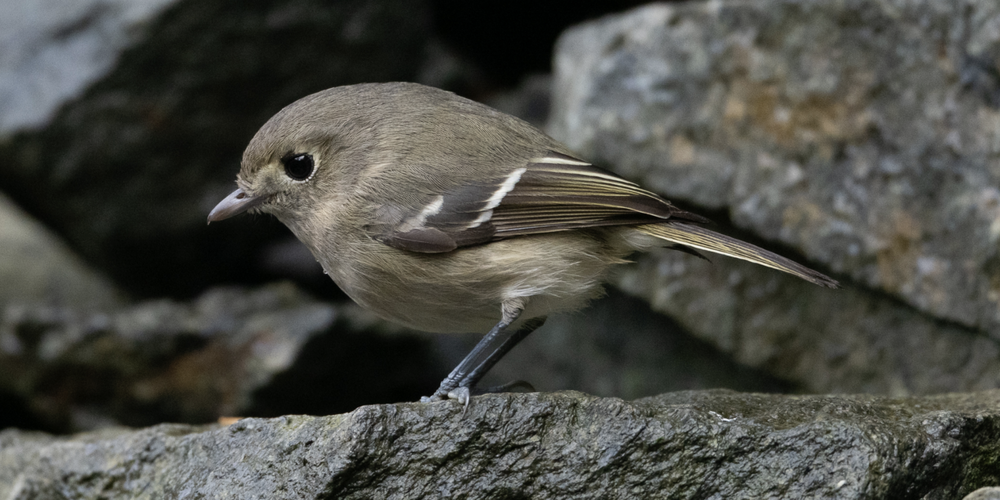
<point>232,351</point>
<point>563,445</point>
<point>822,341</point>
<point>988,493</point>
<point>37,268</point>
<point>858,133</point>
<point>143,147</point>
<point>52,51</point>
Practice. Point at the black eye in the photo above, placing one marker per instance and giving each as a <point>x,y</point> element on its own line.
<point>298,166</point>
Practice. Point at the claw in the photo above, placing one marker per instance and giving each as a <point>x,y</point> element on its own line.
<point>463,395</point>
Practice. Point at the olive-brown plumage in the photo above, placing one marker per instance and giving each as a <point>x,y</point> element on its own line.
<point>448,216</point>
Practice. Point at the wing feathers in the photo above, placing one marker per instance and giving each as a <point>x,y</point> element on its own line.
<point>553,193</point>
<point>559,193</point>
<point>704,239</point>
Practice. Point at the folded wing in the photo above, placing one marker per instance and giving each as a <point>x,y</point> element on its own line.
<point>557,192</point>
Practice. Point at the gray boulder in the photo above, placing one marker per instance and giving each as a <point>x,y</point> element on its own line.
<point>715,444</point>
<point>857,133</point>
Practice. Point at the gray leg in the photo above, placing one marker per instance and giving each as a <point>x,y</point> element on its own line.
<point>487,352</point>
<point>480,370</point>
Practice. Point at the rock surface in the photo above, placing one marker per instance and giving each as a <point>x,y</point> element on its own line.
<point>52,50</point>
<point>715,444</point>
<point>860,133</point>
<point>820,340</point>
<point>36,267</point>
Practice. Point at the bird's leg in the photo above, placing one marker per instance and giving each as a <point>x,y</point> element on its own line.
<point>460,383</point>
<point>480,370</point>
<point>486,354</point>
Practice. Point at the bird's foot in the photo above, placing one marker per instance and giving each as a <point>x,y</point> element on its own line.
<point>463,394</point>
<point>460,394</point>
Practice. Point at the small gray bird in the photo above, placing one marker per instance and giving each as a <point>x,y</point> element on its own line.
<point>446,215</point>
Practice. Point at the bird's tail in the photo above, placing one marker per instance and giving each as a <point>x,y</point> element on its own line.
<point>703,239</point>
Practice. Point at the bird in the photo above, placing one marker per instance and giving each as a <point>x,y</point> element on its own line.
<point>445,215</point>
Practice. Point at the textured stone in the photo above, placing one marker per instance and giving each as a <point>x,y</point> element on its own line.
<point>715,444</point>
<point>863,133</point>
<point>858,133</point>
<point>820,340</point>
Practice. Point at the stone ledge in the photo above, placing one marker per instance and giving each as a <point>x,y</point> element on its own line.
<point>546,445</point>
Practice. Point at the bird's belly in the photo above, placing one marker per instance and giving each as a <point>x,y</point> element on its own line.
<point>415,312</point>
<point>463,291</point>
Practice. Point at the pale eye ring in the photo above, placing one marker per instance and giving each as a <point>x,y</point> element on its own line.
<point>299,166</point>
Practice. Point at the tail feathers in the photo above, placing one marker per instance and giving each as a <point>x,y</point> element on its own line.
<point>698,237</point>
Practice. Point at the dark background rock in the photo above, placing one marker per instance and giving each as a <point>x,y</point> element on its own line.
<point>557,445</point>
<point>128,171</point>
<point>274,350</point>
<point>37,267</point>
<point>510,40</point>
<point>230,352</point>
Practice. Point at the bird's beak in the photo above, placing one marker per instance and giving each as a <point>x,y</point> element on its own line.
<point>234,204</point>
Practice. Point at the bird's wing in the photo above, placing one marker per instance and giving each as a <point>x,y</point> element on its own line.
<point>554,192</point>
<point>559,193</point>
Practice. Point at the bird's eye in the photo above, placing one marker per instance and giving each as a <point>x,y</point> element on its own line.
<point>298,166</point>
